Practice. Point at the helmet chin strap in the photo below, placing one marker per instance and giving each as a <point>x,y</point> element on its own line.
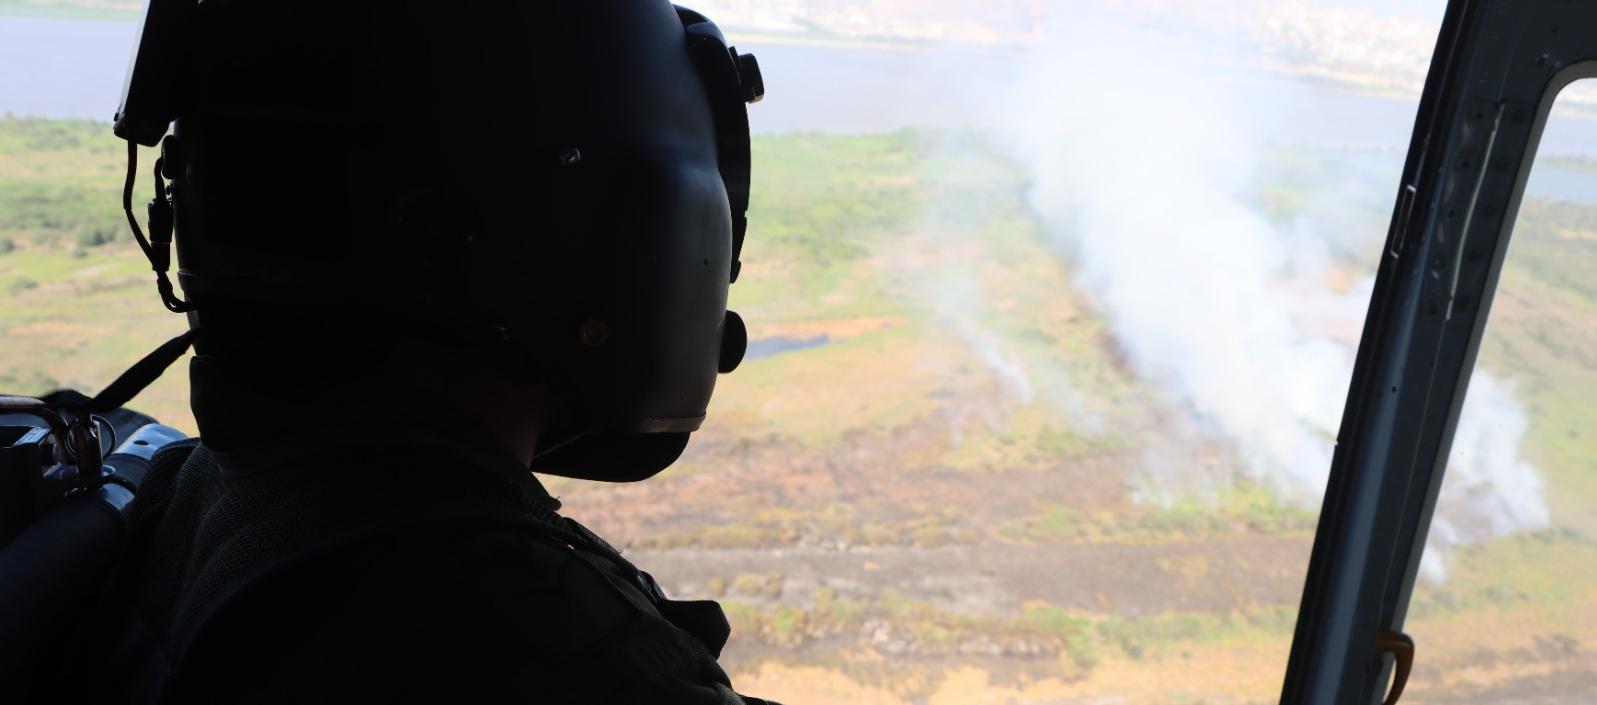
<point>157,249</point>
<point>142,374</point>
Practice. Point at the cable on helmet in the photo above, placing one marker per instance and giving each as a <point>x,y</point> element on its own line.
<point>157,247</point>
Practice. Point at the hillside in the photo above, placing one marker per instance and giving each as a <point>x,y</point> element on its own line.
<point>933,480</point>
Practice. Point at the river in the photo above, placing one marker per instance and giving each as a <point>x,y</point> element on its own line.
<point>74,68</point>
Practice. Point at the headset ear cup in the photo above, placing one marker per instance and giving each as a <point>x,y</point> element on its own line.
<point>750,81</point>
<point>734,342</point>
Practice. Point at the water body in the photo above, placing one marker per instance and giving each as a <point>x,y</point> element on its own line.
<point>1562,183</point>
<point>63,68</point>
<point>768,347</point>
<point>74,69</point>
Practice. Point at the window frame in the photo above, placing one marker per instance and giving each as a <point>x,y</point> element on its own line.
<point>1496,71</point>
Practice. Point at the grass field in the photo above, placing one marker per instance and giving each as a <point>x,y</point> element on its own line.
<point>890,512</point>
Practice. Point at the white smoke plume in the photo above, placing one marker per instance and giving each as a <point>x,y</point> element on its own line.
<point>1014,382</point>
<point>1490,490</point>
<point>1142,158</point>
<point>959,302</point>
<point>951,282</point>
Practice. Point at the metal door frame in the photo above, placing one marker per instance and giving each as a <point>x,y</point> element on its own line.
<point>1498,66</point>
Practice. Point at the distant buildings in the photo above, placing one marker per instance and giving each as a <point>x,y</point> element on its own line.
<point>1355,47</point>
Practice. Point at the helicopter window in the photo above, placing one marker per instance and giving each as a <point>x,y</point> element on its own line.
<point>1461,454</point>
<point>1503,603</point>
<point>1047,363</point>
<point>1052,309</point>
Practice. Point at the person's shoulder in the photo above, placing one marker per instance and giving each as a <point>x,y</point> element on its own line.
<point>507,610</point>
<point>527,586</point>
<point>493,589</point>
<point>541,584</point>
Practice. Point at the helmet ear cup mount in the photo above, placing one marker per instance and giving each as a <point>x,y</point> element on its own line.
<point>734,342</point>
<point>734,80</point>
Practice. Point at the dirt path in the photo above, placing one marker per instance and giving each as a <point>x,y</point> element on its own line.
<point>1123,579</point>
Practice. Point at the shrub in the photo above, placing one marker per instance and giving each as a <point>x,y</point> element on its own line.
<point>93,236</point>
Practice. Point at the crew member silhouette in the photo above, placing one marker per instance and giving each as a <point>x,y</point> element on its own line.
<point>427,249</point>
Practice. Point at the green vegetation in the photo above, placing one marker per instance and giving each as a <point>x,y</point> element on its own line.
<point>838,523</point>
<point>79,300</point>
<point>928,233</point>
<point>835,196</point>
<point>1541,337</point>
<point>895,624</point>
<point>1240,507</point>
<point>1049,641</point>
<point>60,181</point>
<point>1552,571</point>
<point>909,252</point>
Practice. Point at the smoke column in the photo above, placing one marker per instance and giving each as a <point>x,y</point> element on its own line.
<point>1142,157</point>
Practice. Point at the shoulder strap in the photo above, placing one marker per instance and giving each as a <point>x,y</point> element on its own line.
<point>132,381</point>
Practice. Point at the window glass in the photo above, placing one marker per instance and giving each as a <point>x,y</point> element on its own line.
<point>1053,307</point>
<point>1503,610</point>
